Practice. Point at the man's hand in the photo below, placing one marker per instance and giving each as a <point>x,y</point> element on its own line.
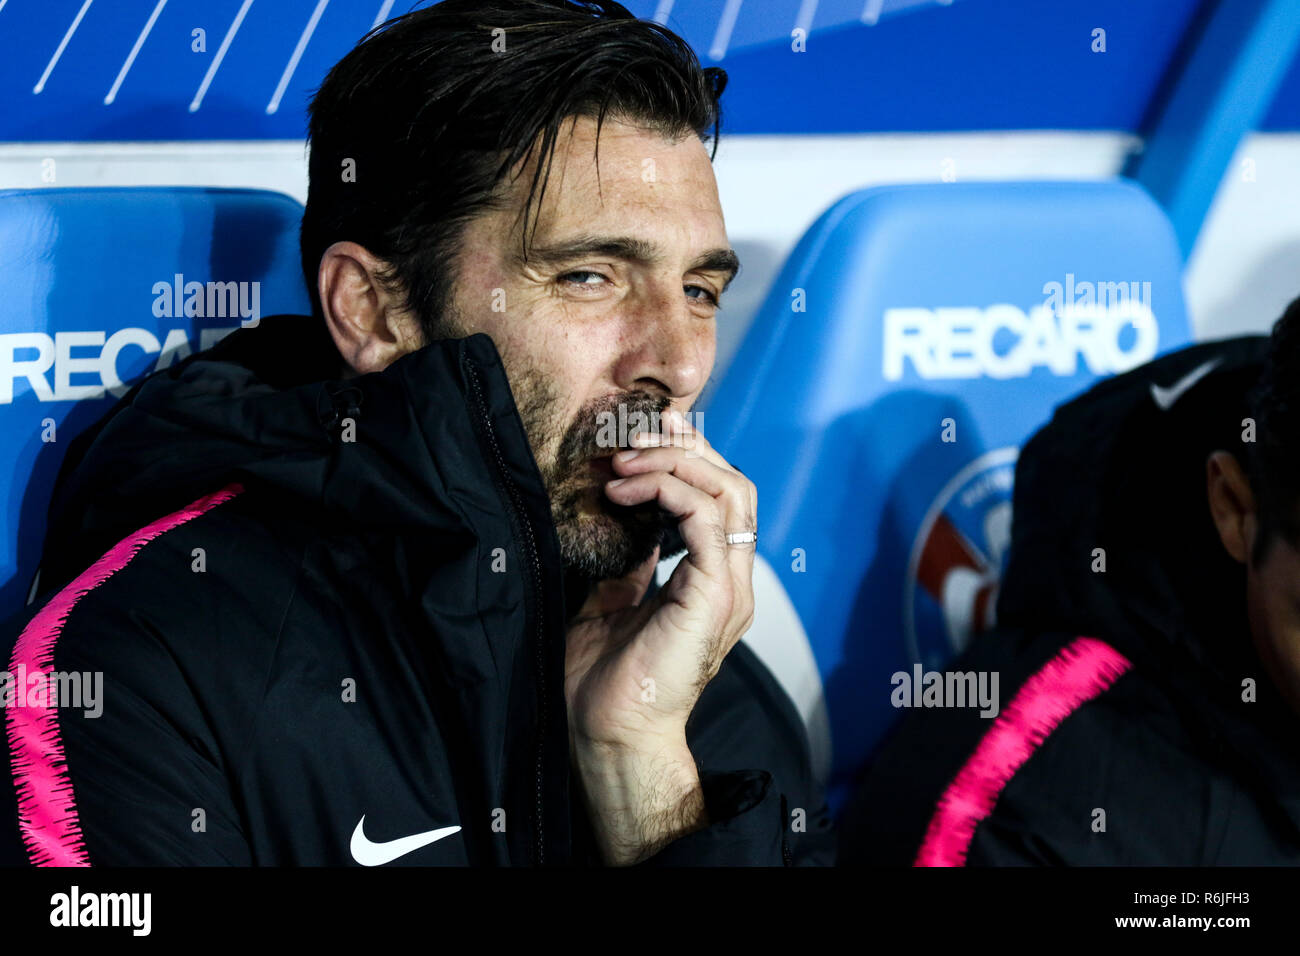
<point>633,671</point>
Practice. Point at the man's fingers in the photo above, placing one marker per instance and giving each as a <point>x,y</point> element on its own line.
<point>710,472</point>
<point>682,451</point>
<point>700,515</point>
<point>680,433</point>
<point>736,496</point>
<point>677,431</point>
<point>703,474</point>
<point>706,520</point>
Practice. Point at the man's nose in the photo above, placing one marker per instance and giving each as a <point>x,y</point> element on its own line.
<point>670,347</point>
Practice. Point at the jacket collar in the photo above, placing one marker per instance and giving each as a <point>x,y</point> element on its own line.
<point>428,456</point>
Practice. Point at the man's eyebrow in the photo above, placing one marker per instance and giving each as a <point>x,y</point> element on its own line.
<point>631,249</point>
<point>719,260</point>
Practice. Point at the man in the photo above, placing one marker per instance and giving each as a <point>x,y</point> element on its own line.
<point>370,586</point>
<point>1148,644</point>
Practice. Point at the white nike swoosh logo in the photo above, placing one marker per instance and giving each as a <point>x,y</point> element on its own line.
<point>1165,397</point>
<point>377,854</point>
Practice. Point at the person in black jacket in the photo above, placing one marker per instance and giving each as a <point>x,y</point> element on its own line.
<point>1148,640</point>
<point>375,585</point>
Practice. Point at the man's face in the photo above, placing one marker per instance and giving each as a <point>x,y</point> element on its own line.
<point>615,305</point>
<point>1273,607</point>
<point>1272,576</point>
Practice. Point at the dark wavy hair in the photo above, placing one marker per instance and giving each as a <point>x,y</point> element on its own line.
<point>1273,459</point>
<point>433,120</point>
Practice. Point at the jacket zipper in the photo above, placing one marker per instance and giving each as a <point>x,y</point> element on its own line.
<point>533,580</point>
<point>785,824</point>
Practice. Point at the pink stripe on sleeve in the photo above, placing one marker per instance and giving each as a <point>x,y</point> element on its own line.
<point>1080,672</point>
<point>47,811</point>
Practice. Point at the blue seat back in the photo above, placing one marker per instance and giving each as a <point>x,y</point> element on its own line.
<point>913,341</point>
<point>100,287</point>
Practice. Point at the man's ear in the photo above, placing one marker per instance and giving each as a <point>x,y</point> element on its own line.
<point>1232,504</point>
<point>369,327</point>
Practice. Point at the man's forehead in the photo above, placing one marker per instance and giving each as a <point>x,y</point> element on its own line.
<point>633,168</point>
<point>627,149</point>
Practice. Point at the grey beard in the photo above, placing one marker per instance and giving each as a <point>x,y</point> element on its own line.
<point>616,539</point>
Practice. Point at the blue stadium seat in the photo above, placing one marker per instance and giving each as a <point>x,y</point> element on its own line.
<point>915,338</point>
<point>101,286</point>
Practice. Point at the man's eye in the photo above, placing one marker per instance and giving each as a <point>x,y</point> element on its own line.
<point>707,297</point>
<point>582,275</point>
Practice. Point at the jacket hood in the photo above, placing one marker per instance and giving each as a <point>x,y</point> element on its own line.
<point>266,407</point>
<point>1118,475</point>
